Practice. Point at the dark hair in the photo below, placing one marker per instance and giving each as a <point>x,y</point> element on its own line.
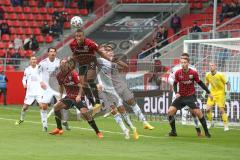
<point>185,55</point>
<point>79,30</point>
<point>186,59</point>
<point>51,48</point>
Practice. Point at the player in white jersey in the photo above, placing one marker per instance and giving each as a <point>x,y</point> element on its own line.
<point>32,83</point>
<point>116,84</point>
<point>171,79</point>
<point>48,68</point>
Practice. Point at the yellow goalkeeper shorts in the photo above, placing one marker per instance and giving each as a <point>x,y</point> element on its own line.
<point>217,100</point>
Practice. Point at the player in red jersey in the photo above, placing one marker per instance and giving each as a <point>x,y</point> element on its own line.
<point>68,80</point>
<point>84,54</point>
<point>186,77</point>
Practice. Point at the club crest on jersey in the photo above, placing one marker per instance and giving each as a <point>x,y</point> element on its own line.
<point>86,48</point>
<point>190,76</point>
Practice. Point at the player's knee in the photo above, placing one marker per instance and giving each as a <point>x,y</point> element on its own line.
<point>121,109</point>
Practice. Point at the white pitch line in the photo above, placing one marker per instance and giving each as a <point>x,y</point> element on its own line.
<point>104,131</point>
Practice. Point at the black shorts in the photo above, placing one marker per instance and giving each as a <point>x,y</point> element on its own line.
<point>83,69</point>
<point>70,103</point>
<point>181,102</point>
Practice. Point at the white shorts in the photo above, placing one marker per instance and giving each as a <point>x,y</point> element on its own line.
<point>30,99</point>
<point>48,95</point>
<point>110,98</point>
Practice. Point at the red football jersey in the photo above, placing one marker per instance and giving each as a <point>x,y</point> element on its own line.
<point>186,81</point>
<point>84,53</point>
<point>70,83</point>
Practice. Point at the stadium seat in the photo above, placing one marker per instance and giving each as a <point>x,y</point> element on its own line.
<point>50,10</point>
<point>27,10</point>
<point>20,31</point>
<point>57,4</point>
<point>33,3</point>
<point>34,24</point>
<point>29,53</point>
<point>40,39</point>
<point>67,25</point>
<point>39,17</point>
<point>12,16</point>
<point>49,39</point>
<point>2,45</point>
<point>30,17</point>
<point>43,10</point>
<point>2,53</point>
<point>83,12</point>
<point>16,24</point>
<point>35,10</point>
<point>9,9</point>
<point>25,23</point>
<point>5,37</point>
<point>28,31</point>
<point>5,2</point>
<point>37,31</point>
<point>18,9</point>
<point>10,68</point>
<point>22,17</point>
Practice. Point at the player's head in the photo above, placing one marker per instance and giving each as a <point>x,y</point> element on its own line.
<point>79,36</point>
<point>71,63</point>
<point>184,63</point>
<point>213,66</point>
<point>185,55</point>
<point>64,67</point>
<point>33,61</point>
<point>52,53</point>
<point>108,49</point>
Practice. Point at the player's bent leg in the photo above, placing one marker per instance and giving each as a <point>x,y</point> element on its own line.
<point>196,123</point>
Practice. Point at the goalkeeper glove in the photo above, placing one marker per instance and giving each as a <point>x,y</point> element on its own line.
<point>228,97</point>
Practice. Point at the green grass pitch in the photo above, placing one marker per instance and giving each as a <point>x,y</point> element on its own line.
<point>28,142</point>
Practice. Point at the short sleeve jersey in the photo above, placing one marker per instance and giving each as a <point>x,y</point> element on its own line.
<point>84,53</point>
<point>186,81</point>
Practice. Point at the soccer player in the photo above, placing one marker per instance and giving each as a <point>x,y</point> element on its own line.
<point>48,67</point>
<point>84,53</point>
<point>108,72</point>
<point>186,108</point>
<point>186,77</point>
<point>118,85</point>
<point>217,80</point>
<point>32,82</point>
<point>68,80</point>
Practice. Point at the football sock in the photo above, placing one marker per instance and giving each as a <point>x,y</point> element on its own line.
<point>171,120</point>
<point>93,125</point>
<point>58,117</point>
<point>137,111</point>
<point>44,117</point>
<point>127,120</point>
<point>119,121</point>
<point>204,124</point>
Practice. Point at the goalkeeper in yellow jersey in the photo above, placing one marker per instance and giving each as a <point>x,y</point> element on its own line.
<point>217,81</point>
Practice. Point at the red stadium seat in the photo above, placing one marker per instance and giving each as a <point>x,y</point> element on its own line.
<point>35,10</point>
<point>43,10</point>
<point>50,10</point>
<point>22,17</point>
<point>33,3</point>
<point>37,31</point>
<point>30,17</point>
<point>10,68</point>
<point>29,53</point>
<point>40,39</point>
<point>9,9</point>
<point>39,17</point>
<point>16,24</point>
<point>27,10</point>
<point>18,9</point>
<point>2,45</point>
<point>2,53</point>
<point>12,16</point>
<point>25,24</point>
<point>28,31</point>
<point>5,37</point>
<point>67,25</point>
<point>20,31</point>
<point>83,12</point>
<point>49,39</point>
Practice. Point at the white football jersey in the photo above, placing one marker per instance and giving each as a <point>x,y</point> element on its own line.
<point>171,77</point>
<point>32,80</point>
<point>108,75</point>
<point>48,69</point>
